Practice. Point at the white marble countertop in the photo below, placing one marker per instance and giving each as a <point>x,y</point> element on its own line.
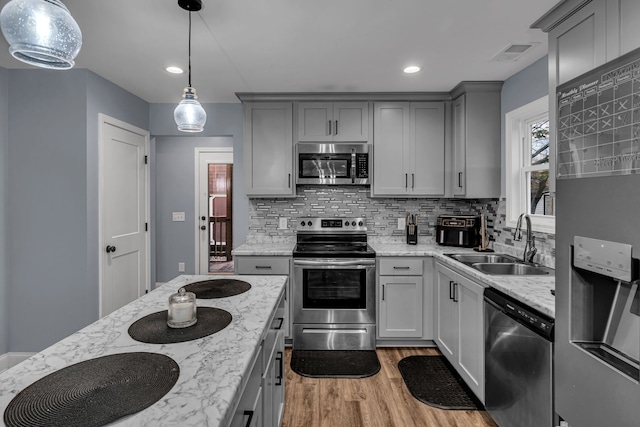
<point>534,291</point>
<point>212,369</point>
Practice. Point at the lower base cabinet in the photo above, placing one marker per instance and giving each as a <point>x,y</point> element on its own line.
<point>460,326</point>
<point>262,401</point>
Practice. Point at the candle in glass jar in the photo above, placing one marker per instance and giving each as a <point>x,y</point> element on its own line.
<point>181,312</point>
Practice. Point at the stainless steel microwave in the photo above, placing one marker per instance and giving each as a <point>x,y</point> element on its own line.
<point>333,164</point>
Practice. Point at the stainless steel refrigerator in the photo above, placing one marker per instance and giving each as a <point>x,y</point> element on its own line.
<point>597,246</point>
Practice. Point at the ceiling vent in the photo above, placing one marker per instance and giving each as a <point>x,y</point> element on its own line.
<point>513,52</point>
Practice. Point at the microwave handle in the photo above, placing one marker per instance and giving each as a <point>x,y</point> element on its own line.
<point>353,164</point>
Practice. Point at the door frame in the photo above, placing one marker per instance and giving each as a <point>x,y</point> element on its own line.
<point>198,151</point>
<point>102,120</point>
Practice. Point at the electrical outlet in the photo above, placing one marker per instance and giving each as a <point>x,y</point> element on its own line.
<point>283,223</point>
<point>178,216</point>
<point>181,267</point>
<point>402,223</point>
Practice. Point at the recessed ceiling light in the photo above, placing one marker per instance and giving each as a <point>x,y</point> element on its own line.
<point>174,70</point>
<point>412,69</point>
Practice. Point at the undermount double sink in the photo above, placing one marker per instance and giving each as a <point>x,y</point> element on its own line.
<point>500,264</point>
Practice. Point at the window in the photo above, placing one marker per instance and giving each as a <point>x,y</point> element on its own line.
<point>527,166</point>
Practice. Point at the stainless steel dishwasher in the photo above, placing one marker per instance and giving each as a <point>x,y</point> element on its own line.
<point>518,363</point>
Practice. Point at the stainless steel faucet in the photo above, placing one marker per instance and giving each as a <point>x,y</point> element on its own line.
<point>530,246</point>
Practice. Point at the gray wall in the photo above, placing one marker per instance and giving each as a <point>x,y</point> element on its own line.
<point>4,142</point>
<point>52,199</point>
<point>172,159</point>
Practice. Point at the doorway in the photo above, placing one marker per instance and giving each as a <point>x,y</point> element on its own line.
<point>215,210</point>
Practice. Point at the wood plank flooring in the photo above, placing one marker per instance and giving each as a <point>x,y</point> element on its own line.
<point>378,401</point>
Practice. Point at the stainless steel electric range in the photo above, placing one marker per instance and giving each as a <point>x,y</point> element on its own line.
<point>333,285</point>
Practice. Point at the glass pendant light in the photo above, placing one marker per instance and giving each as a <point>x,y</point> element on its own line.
<point>189,114</point>
<point>41,33</point>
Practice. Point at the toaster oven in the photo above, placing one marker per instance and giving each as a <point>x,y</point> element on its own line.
<point>458,230</point>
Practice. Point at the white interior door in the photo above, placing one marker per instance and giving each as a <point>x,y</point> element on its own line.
<point>124,210</point>
<point>204,157</point>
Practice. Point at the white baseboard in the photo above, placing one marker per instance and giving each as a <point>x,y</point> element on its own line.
<point>9,360</point>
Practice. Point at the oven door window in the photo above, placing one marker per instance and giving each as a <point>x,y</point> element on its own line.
<point>324,166</point>
<point>334,289</point>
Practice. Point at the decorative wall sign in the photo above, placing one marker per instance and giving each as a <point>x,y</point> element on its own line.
<point>598,127</point>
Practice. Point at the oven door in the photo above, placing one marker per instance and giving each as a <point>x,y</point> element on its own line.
<point>334,291</point>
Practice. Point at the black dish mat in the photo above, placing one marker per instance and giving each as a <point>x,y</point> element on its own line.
<point>217,288</point>
<point>335,363</point>
<point>153,329</point>
<point>94,392</point>
<point>432,380</point>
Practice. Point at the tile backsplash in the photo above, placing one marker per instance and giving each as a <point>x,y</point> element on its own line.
<point>382,217</point>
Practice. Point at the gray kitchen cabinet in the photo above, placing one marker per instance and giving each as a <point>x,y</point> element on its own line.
<point>409,149</point>
<point>400,299</point>
<point>333,121</point>
<point>476,140</point>
<point>459,325</point>
<point>268,149</point>
<point>262,401</point>
<point>268,266</point>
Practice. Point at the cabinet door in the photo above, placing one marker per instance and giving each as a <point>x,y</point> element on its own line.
<point>401,307</point>
<point>459,146</point>
<point>268,149</point>
<point>426,159</point>
<point>391,136</point>
<point>447,314</point>
<point>315,121</point>
<point>470,359</point>
<point>350,121</point>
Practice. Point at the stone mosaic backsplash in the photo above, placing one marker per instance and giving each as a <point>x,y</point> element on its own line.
<point>382,217</point>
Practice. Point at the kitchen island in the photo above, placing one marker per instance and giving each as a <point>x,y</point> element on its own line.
<point>213,369</point>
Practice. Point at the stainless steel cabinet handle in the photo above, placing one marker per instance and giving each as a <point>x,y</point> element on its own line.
<point>263,267</point>
<point>413,180</point>
<point>281,319</point>
<point>329,127</point>
<point>455,292</point>
<point>110,249</point>
<point>395,267</point>
<point>289,180</point>
<point>406,180</point>
<point>336,127</point>
<point>250,415</point>
<point>450,289</point>
<point>460,179</point>
<point>382,292</point>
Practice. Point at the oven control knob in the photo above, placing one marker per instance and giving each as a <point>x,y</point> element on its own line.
<point>302,223</point>
<point>353,223</point>
<point>361,223</point>
<point>309,223</point>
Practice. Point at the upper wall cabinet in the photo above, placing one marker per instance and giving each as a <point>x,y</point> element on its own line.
<point>333,121</point>
<point>268,149</point>
<point>408,149</point>
<point>476,140</point>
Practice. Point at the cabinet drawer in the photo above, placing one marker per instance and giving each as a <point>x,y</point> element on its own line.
<point>262,265</point>
<point>400,267</point>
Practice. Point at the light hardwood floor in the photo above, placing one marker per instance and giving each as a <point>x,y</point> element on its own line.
<point>378,401</point>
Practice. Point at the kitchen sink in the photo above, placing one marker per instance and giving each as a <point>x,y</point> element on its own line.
<point>512,268</point>
<point>483,258</point>
<point>500,264</point>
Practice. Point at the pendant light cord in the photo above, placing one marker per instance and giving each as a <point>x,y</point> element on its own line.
<point>189,48</point>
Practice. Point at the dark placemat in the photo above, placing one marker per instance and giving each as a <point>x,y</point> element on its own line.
<point>335,363</point>
<point>432,380</point>
<point>94,392</point>
<point>153,329</point>
<point>217,288</point>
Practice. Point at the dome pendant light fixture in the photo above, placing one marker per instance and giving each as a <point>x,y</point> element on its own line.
<point>41,33</point>
<point>189,114</point>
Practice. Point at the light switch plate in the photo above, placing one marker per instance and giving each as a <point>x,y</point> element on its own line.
<point>283,223</point>
<point>178,216</point>
<point>402,223</point>
<point>181,267</point>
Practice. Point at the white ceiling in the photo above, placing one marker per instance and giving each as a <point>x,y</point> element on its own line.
<point>300,45</point>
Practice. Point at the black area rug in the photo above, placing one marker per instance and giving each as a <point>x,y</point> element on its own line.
<point>432,380</point>
<point>94,392</point>
<point>153,329</point>
<point>335,363</point>
<point>217,288</point>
